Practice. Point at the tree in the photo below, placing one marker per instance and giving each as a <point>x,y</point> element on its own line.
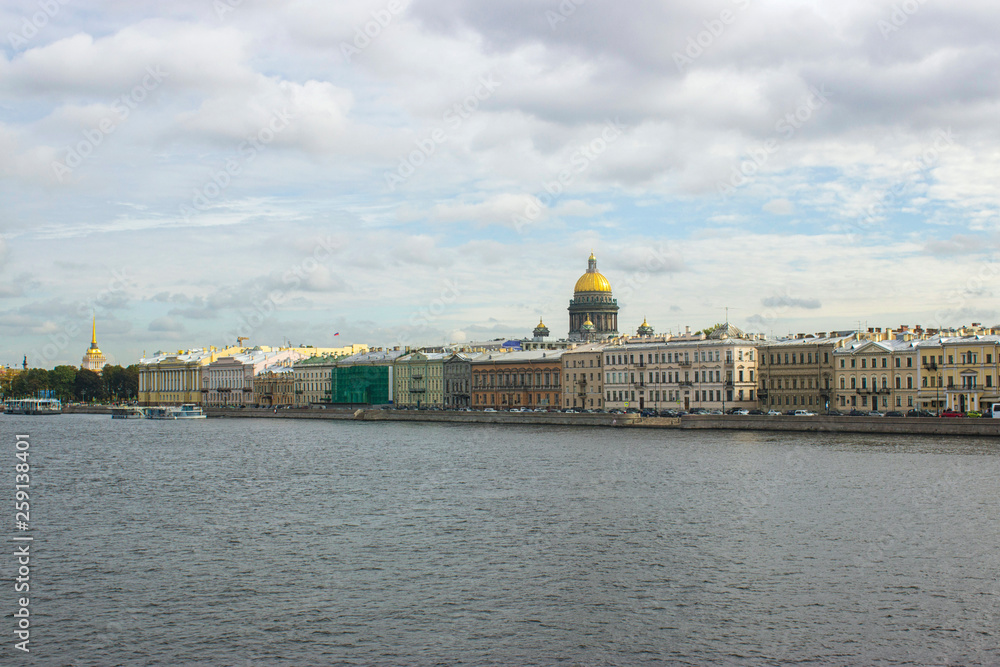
<point>88,386</point>
<point>712,328</point>
<point>62,380</point>
<point>130,382</point>
<point>30,382</point>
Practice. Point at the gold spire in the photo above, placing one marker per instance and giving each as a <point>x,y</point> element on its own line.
<point>591,255</point>
<point>541,325</point>
<point>93,337</point>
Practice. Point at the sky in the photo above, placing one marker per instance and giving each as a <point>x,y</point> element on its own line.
<point>412,173</point>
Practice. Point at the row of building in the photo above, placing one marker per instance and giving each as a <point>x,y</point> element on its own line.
<point>726,368</point>
<point>596,367</point>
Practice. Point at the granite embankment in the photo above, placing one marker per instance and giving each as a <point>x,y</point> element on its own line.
<point>818,424</point>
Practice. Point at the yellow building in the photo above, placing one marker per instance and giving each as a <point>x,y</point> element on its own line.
<point>175,378</point>
<point>583,377</point>
<point>881,375</point>
<point>94,359</point>
<point>968,369</point>
<point>418,379</point>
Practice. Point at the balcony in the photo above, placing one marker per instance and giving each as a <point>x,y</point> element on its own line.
<point>417,390</point>
<point>686,364</point>
<point>686,383</point>
<point>419,375</point>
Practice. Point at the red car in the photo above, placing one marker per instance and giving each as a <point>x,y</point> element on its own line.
<point>952,413</point>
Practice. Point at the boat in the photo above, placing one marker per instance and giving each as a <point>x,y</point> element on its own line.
<point>186,411</point>
<point>127,412</point>
<point>32,406</point>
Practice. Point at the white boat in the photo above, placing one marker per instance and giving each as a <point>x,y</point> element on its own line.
<point>32,406</point>
<point>129,412</point>
<point>186,411</point>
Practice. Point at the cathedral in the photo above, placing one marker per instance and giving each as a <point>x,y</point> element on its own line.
<point>593,312</point>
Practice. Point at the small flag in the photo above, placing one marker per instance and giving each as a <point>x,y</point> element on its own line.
<point>337,334</point>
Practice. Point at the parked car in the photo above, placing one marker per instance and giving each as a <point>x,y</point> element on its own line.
<point>648,413</point>
<point>489,410</point>
<point>756,412</point>
<point>876,413</point>
<point>858,413</point>
<point>740,411</point>
<point>614,411</point>
<point>774,413</point>
<point>952,413</point>
<point>632,411</point>
<point>919,413</point>
<point>834,413</point>
<point>973,413</point>
<point>894,413</point>
<point>803,413</point>
<point>698,411</point>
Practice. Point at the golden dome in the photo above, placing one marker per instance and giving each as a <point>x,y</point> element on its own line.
<point>592,282</point>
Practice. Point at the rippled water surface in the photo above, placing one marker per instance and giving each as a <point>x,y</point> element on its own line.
<point>280,542</point>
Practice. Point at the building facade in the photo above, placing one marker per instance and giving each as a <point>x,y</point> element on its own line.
<point>457,374</point>
<point>517,380</point>
<point>881,375</point>
<point>229,381</point>
<point>717,371</point>
<point>419,379</point>
<point>364,379</point>
<point>969,369</point>
<point>274,387</point>
<point>583,377</point>
<point>172,379</point>
<point>798,373</point>
<point>312,378</point>
<point>593,302</point>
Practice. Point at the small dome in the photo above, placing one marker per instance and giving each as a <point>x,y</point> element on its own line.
<point>645,329</point>
<point>588,325</point>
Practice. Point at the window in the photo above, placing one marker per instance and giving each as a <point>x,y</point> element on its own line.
<point>909,382</point>
<point>854,363</point>
<point>898,381</point>
<point>864,363</point>
<point>810,357</point>
<point>842,383</point>
<point>884,361</point>
<point>841,363</point>
<point>897,362</point>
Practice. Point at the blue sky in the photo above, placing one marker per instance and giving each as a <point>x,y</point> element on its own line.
<point>192,173</point>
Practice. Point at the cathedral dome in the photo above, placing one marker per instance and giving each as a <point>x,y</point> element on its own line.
<point>592,280</point>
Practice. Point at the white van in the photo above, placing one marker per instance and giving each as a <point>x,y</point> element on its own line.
<point>995,412</point>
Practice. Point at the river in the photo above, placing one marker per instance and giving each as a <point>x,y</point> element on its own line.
<point>300,542</point>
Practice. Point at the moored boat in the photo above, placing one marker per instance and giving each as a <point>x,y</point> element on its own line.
<point>186,411</point>
<point>32,406</point>
<point>128,412</point>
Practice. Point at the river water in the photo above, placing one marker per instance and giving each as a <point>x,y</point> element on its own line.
<point>284,542</point>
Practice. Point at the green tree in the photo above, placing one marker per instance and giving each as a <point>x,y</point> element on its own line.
<point>62,380</point>
<point>712,328</point>
<point>130,382</point>
<point>30,382</point>
<point>88,386</point>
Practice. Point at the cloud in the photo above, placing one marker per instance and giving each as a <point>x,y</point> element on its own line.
<point>166,325</point>
<point>779,207</point>
<point>958,244</point>
<point>790,302</point>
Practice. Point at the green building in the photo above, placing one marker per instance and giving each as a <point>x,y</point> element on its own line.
<point>365,378</point>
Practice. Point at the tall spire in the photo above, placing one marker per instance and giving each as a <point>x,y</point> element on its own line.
<point>93,337</point>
